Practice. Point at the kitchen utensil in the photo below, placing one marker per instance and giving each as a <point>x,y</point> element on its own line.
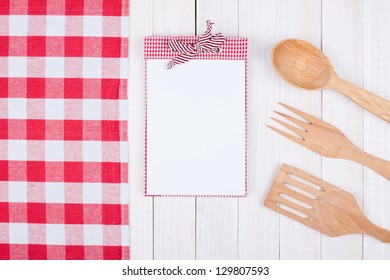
<point>303,65</point>
<point>328,141</point>
<point>319,205</point>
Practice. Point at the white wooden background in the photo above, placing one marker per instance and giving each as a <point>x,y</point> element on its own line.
<point>355,34</point>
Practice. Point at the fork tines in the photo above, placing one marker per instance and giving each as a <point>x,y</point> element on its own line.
<point>303,125</point>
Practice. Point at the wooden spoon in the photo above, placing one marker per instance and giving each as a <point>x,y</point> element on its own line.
<point>303,65</point>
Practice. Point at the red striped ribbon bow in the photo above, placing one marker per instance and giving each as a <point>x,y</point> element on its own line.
<point>207,43</point>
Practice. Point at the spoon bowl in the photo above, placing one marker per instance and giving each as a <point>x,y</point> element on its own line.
<point>301,64</point>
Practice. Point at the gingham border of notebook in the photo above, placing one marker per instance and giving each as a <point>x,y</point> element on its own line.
<point>232,49</point>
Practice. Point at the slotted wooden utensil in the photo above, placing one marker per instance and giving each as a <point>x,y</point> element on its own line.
<point>319,205</point>
<point>328,141</point>
<point>303,65</point>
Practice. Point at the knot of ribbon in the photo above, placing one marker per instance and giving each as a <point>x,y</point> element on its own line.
<point>207,43</point>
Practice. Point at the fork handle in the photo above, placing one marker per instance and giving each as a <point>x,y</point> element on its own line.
<point>371,229</point>
<point>368,100</point>
<point>376,164</point>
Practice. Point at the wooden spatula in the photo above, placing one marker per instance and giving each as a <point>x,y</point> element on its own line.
<point>319,205</point>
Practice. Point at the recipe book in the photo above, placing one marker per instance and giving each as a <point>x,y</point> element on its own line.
<point>195,140</point>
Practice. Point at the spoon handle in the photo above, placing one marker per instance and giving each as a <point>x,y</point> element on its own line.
<point>368,100</point>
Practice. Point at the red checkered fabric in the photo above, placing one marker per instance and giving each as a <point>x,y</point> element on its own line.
<point>63,129</point>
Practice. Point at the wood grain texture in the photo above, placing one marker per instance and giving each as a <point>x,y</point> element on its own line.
<point>174,228</point>
<point>376,132</point>
<point>259,22</point>
<point>368,100</point>
<point>351,33</point>
<point>303,65</point>
<point>174,17</point>
<point>141,207</point>
<point>300,19</point>
<point>326,140</point>
<point>319,205</point>
<point>342,41</point>
<point>174,217</point>
<point>216,219</point>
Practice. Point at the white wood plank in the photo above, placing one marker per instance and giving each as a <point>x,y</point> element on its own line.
<point>258,226</point>
<point>174,217</point>
<point>376,131</point>
<point>342,41</point>
<point>216,218</point>
<point>174,228</point>
<point>300,19</point>
<point>224,13</point>
<point>174,17</point>
<point>141,208</point>
<point>216,228</point>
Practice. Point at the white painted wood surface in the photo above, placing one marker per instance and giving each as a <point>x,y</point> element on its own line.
<point>376,67</point>
<point>354,35</point>
<point>141,210</point>
<point>216,219</point>
<point>342,40</point>
<point>295,240</point>
<point>174,218</point>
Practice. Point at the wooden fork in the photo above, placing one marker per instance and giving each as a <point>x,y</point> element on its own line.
<point>328,141</point>
<point>319,205</point>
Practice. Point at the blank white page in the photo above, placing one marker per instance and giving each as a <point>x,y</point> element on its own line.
<point>196,128</point>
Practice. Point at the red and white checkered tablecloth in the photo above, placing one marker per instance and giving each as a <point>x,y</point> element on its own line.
<point>63,129</point>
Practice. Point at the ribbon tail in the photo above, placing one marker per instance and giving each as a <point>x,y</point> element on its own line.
<point>214,43</point>
<point>207,34</point>
<point>218,39</point>
<point>182,58</point>
<point>207,43</point>
<point>176,46</point>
